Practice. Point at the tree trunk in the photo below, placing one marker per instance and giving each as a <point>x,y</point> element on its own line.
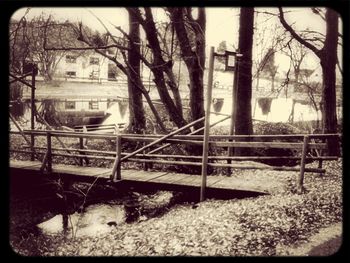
<point>194,60</point>
<point>174,114</point>
<point>243,118</point>
<point>137,115</point>
<point>161,67</point>
<point>196,95</point>
<point>328,63</point>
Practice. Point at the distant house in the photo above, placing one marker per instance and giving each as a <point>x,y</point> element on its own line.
<point>86,67</point>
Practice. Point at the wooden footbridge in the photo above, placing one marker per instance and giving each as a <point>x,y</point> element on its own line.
<point>102,166</point>
<point>96,165</point>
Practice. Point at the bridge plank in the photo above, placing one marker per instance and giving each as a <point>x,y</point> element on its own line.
<point>239,184</point>
<point>129,172</point>
<point>167,178</point>
<point>181,177</point>
<point>79,170</point>
<point>220,183</point>
<point>212,180</point>
<point>24,164</point>
<point>143,176</point>
<point>176,177</point>
<point>189,180</point>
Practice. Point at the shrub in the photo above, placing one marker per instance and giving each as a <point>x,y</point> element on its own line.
<point>268,128</point>
<point>264,128</point>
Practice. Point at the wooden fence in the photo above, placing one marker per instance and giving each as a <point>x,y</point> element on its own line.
<point>304,143</point>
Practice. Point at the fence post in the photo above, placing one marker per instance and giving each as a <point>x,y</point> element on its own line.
<point>81,147</point>
<point>116,173</point>
<point>32,121</point>
<point>145,165</point>
<point>207,127</point>
<point>49,153</point>
<point>302,163</point>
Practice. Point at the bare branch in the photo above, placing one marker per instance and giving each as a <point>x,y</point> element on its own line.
<point>318,11</point>
<point>313,32</point>
<point>87,48</point>
<point>297,36</point>
<point>185,46</point>
<point>143,58</point>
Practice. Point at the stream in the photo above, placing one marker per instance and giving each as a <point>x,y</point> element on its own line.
<point>96,219</point>
<point>29,218</point>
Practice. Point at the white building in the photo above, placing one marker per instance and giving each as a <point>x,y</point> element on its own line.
<point>89,67</point>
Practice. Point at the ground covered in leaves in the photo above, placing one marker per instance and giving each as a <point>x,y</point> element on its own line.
<point>237,227</point>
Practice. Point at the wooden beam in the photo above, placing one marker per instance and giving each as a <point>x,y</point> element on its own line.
<point>49,153</point>
<point>185,137</point>
<point>19,78</point>
<point>194,132</point>
<point>22,81</point>
<point>22,133</point>
<point>174,156</point>
<point>283,145</point>
<point>162,139</point>
<point>225,165</point>
<point>116,171</point>
<point>302,164</point>
<point>32,113</point>
<point>207,126</point>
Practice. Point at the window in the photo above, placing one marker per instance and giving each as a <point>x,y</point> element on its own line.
<point>94,61</point>
<point>71,74</point>
<point>112,72</point>
<point>110,51</point>
<point>93,105</point>
<point>71,59</point>
<point>94,74</point>
<point>70,105</point>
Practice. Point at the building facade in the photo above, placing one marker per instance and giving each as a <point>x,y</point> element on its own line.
<point>86,67</point>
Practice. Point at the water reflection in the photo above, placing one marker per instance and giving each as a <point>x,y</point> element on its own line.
<point>72,112</point>
<point>96,219</point>
<point>270,109</point>
<point>117,112</point>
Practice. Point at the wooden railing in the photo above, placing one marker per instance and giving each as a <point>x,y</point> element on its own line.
<point>100,128</point>
<point>302,142</point>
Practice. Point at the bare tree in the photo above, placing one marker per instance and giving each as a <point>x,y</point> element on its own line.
<point>191,36</point>
<point>160,67</point>
<point>159,59</point>
<point>296,53</point>
<point>328,60</point>
<point>137,113</point>
<point>267,41</point>
<point>103,44</point>
<point>28,39</point>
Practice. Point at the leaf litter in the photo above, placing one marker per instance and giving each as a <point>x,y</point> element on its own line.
<point>237,227</point>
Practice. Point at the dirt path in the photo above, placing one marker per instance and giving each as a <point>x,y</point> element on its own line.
<point>324,243</point>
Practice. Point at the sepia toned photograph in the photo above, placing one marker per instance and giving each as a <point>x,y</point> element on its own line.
<point>175,131</point>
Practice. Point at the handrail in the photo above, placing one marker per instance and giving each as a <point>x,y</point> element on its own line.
<point>173,156</point>
<point>173,137</point>
<point>192,133</point>
<point>185,137</point>
<point>162,138</point>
